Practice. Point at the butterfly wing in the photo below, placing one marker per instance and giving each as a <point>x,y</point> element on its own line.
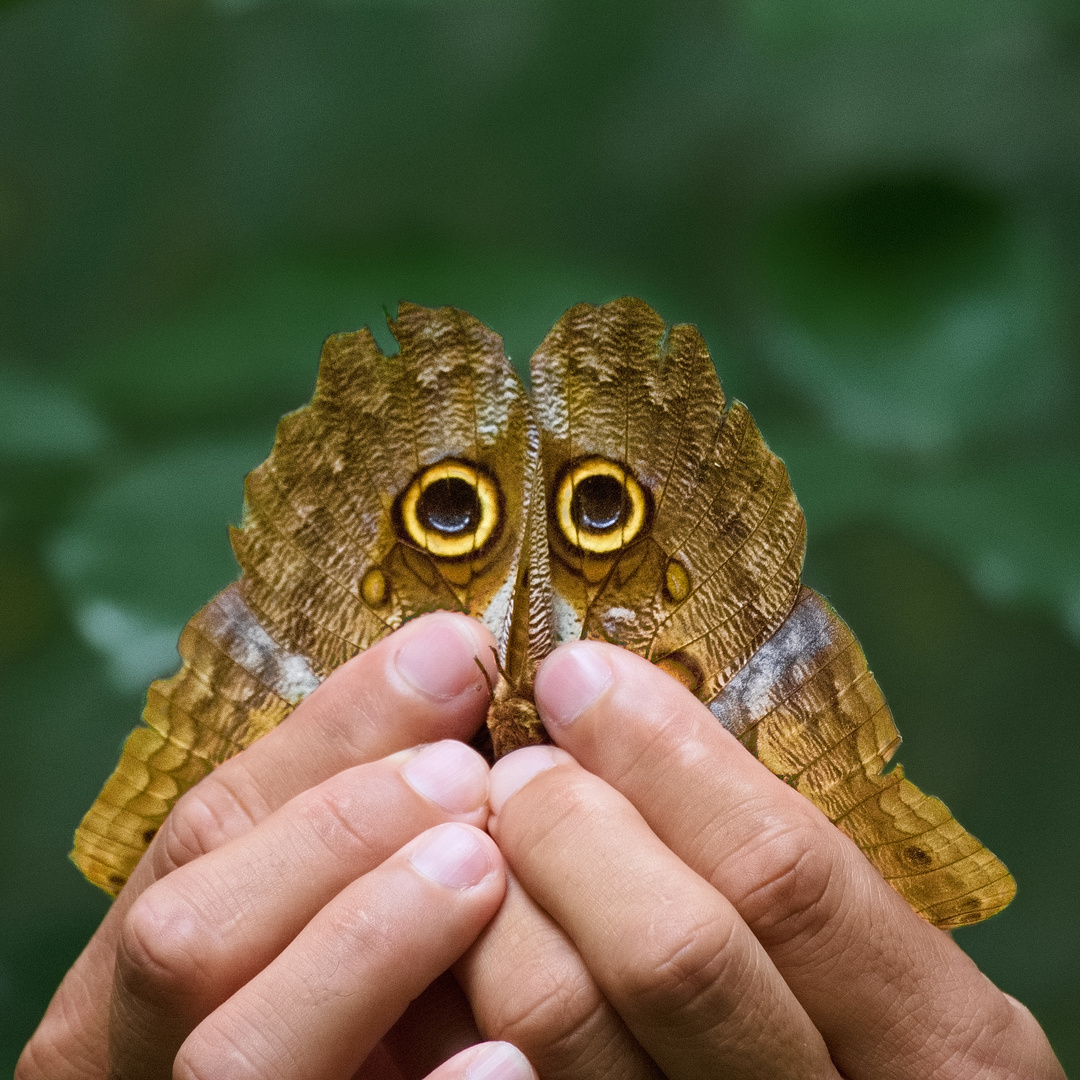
<point>674,532</point>
<point>808,707</point>
<point>402,488</point>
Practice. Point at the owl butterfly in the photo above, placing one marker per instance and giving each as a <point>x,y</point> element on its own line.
<point>626,502</point>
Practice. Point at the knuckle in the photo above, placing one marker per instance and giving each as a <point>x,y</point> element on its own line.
<point>999,1037</point>
<point>330,814</point>
<point>357,936</point>
<point>676,964</point>
<point>254,1042</point>
<point>181,839</point>
<point>162,945</point>
<point>552,1012</point>
<point>207,816</point>
<point>793,895</point>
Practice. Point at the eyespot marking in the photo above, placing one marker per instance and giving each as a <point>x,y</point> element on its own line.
<point>597,503</point>
<point>449,506</point>
<point>451,509</point>
<point>599,506</point>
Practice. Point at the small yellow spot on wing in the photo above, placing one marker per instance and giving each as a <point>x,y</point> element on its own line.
<point>373,588</point>
<point>676,582</point>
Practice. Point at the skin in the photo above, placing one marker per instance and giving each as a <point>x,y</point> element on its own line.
<point>646,900</point>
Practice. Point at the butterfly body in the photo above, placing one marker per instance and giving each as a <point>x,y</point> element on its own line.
<point>625,501</point>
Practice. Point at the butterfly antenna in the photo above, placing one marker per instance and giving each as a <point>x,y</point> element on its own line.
<point>487,677</point>
<point>498,664</point>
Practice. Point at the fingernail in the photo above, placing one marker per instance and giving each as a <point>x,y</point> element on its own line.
<point>450,774</point>
<point>453,855</point>
<point>513,772</point>
<point>570,680</point>
<point>499,1061</point>
<point>439,659</point>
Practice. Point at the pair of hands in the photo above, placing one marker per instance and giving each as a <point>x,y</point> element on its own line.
<point>646,897</point>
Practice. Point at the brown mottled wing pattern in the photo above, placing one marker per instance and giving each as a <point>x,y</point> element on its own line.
<point>705,583</point>
<point>334,555</point>
<point>809,708</point>
<point>713,567</point>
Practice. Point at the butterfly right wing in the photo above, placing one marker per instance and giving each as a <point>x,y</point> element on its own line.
<point>699,571</point>
<point>809,708</point>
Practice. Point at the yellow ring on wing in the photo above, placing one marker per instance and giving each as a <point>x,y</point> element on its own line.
<point>451,544</point>
<point>628,524</point>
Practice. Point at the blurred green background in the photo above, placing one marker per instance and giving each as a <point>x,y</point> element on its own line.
<point>869,208</point>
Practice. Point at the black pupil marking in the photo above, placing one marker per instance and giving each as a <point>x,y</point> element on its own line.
<point>449,506</point>
<point>598,503</point>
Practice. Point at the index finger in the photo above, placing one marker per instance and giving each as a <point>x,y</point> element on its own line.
<point>893,996</point>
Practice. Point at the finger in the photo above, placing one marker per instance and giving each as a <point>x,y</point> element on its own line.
<point>418,685</point>
<point>669,952</point>
<point>196,936</point>
<point>488,1061</point>
<point>321,1006</point>
<point>893,996</point>
<point>528,985</point>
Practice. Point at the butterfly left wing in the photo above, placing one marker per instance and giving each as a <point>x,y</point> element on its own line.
<point>674,532</point>
<point>402,488</point>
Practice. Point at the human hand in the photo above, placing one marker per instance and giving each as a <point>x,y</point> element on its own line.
<point>703,911</point>
<point>298,898</point>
